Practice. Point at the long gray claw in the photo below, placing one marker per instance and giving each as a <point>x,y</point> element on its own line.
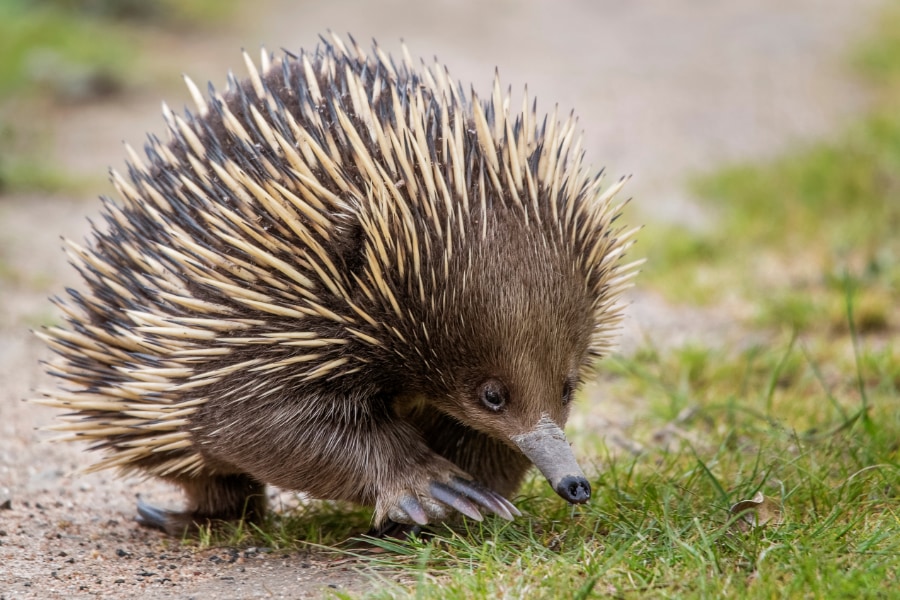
<point>509,506</point>
<point>456,499</point>
<point>151,516</point>
<point>485,497</point>
<point>173,523</point>
<point>415,511</point>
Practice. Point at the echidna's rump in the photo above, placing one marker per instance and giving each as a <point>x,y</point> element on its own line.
<point>349,277</point>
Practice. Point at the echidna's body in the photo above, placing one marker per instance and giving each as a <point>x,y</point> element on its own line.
<point>343,277</point>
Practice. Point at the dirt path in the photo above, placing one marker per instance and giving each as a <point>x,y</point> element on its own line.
<point>662,89</point>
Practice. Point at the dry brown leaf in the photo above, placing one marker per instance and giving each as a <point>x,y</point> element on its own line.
<point>759,511</point>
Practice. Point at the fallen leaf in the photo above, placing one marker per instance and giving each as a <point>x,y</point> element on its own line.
<point>759,511</point>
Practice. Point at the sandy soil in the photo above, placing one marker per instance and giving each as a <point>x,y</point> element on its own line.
<point>662,89</point>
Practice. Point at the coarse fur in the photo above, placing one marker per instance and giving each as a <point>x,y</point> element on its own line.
<point>311,282</point>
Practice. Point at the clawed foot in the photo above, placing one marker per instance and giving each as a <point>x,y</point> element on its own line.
<point>212,499</point>
<point>177,524</point>
<point>174,523</point>
<point>464,496</point>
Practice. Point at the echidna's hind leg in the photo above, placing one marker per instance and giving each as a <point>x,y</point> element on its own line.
<point>210,498</point>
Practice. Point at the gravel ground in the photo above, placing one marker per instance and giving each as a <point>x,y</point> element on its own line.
<point>663,89</point>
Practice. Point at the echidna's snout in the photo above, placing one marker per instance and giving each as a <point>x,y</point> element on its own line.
<point>547,448</point>
<point>574,488</point>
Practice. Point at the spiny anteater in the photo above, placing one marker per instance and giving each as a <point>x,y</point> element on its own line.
<point>343,277</point>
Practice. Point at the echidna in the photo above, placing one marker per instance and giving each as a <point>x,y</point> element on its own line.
<point>345,277</point>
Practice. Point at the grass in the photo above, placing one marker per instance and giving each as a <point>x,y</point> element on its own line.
<point>812,423</point>
<point>807,246</point>
<point>38,42</point>
<point>48,53</point>
<point>792,233</point>
<point>798,228</point>
<point>85,42</point>
<point>70,51</point>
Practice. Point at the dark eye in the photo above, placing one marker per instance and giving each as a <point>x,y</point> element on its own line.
<point>567,392</point>
<point>493,395</point>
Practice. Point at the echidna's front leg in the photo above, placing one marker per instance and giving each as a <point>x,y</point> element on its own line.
<point>432,490</point>
<point>416,505</point>
<point>210,498</point>
<point>411,510</point>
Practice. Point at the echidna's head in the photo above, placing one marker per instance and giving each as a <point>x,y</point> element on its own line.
<point>511,344</point>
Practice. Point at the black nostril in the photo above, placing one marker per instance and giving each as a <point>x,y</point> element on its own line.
<point>574,489</point>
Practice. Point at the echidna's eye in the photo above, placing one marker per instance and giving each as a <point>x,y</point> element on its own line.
<point>567,392</point>
<point>493,395</point>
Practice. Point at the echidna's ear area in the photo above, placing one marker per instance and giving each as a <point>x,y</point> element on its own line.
<point>273,242</point>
